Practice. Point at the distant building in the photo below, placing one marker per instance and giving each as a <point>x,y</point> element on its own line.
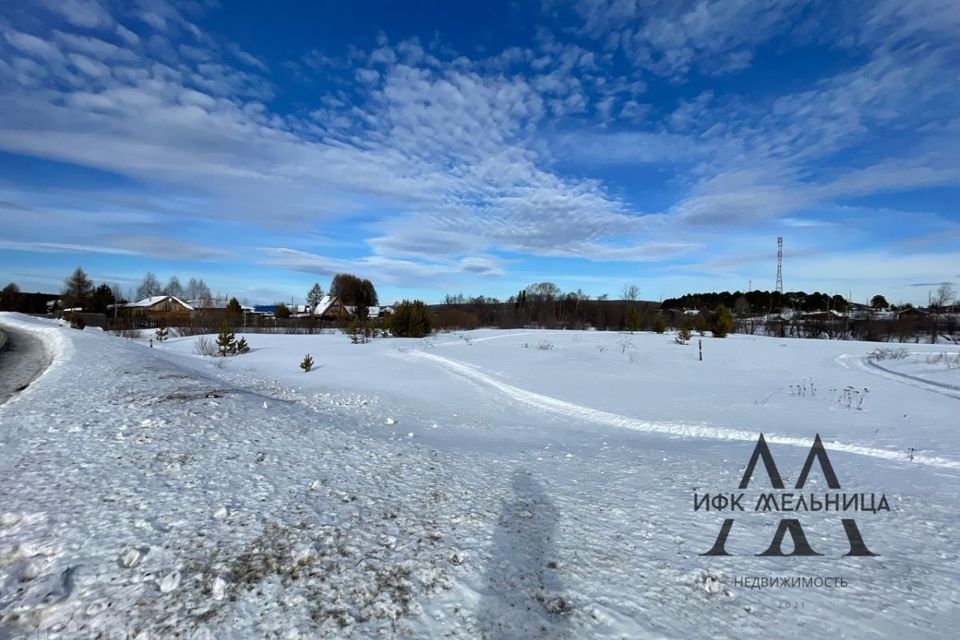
<point>215,304</point>
<point>330,308</point>
<point>376,312</point>
<point>167,308</point>
<point>912,312</point>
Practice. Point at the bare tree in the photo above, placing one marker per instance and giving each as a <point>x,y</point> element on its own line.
<point>149,287</point>
<point>631,292</point>
<point>945,295</point>
<point>173,287</point>
<point>198,290</point>
<point>544,291</point>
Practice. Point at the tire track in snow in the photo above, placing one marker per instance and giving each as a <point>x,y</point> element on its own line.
<point>870,366</point>
<point>677,429</point>
<point>483,339</point>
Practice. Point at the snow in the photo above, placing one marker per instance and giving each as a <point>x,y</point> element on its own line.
<point>466,485</point>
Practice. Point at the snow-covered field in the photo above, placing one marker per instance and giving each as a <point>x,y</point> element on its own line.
<point>498,484</point>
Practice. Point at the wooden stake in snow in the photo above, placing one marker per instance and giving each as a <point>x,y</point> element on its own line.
<point>700,348</point>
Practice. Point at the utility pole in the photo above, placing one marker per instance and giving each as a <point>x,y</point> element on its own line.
<point>780,265</point>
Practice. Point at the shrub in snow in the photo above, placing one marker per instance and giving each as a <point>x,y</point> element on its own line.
<point>357,333</point>
<point>242,346</point>
<point>889,354</point>
<point>411,320</point>
<point>76,321</point>
<point>226,341</point>
<point>659,324</point>
<point>700,324</point>
<point>307,363</point>
<point>204,346</point>
<point>544,345</point>
<point>162,333</point>
<point>683,336</point>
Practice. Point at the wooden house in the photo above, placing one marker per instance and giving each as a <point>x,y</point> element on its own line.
<point>166,308</point>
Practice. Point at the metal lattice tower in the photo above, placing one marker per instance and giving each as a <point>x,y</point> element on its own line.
<point>780,264</point>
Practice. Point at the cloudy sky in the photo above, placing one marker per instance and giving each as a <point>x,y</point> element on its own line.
<point>481,146</point>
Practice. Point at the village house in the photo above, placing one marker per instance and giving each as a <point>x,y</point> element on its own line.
<point>330,308</point>
<point>168,309</point>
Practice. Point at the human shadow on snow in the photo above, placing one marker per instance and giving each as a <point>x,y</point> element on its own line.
<point>524,595</point>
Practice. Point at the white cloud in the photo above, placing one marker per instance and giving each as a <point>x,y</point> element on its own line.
<point>673,38</point>
<point>82,13</point>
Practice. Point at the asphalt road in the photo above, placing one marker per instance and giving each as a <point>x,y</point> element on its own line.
<point>21,361</point>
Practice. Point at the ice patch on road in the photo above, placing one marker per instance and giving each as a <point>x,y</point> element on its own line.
<point>677,429</point>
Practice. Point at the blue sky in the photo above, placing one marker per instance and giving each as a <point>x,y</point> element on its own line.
<point>477,147</point>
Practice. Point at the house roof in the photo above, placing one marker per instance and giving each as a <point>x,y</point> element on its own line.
<point>374,312</point>
<point>324,305</point>
<point>153,300</point>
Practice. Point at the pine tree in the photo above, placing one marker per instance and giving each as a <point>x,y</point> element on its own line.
<point>632,319</point>
<point>314,296</point>
<point>234,306</point>
<point>307,363</point>
<point>242,346</point>
<point>161,333</point>
<point>77,289</point>
<point>226,341</point>
<point>411,320</point>
<point>683,335</point>
<point>722,323</point>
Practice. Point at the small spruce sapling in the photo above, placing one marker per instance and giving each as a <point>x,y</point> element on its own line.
<point>659,324</point>
<point>632,319</point>
<point>226,341</point>
<point>242,346</point>
<point>307,363</point>
<point>353,330</point>
<point>162,333</point>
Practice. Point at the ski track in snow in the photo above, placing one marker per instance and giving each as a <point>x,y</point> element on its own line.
<point>872,366</point>
<point>677,429</point>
